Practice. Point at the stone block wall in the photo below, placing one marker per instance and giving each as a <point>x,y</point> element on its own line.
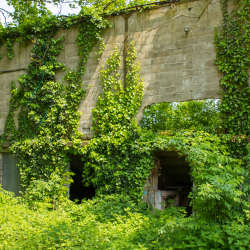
<point>174,66</point>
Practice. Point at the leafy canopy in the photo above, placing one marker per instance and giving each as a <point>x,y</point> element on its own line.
<point>196,115</point>
<point>31,10</point>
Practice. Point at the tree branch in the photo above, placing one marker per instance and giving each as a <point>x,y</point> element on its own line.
<point>5,10</point>
<point>5,21</point>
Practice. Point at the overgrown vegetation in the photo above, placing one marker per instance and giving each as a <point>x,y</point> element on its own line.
<point>201,115</point>
<point>232,59</point>
<point>121,156</point>
<point>112,222</point>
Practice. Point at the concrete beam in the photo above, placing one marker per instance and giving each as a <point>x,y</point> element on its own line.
<point>70,143</point>
<point>5,145</point>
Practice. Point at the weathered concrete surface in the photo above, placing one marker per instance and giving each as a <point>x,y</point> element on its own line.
<point>174,66</point>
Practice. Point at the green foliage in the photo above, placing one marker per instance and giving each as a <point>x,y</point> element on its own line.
<point>216,175</point>
<point>116,109</point>
<point>49,116</point>
<point>48,113</point>
<point>40,157</point>
<point>121,156</point>
<point>195,115</point>
<point>233,61</point>
<point>118,166</point>
<point>7,198</point>
<point>48,194</point>
<point>112,222</point>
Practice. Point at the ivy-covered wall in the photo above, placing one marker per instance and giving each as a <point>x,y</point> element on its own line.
<point>121,157</point>
<point>174,66</point>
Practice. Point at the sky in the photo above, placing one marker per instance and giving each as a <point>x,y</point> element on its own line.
<point>65,9</point>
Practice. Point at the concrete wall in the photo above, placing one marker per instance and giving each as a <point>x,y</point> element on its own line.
<point>174,66</point>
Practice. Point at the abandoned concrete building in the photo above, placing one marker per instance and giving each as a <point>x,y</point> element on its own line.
<point>176,52</point>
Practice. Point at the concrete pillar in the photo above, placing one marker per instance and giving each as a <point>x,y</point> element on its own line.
<point>153,187</point>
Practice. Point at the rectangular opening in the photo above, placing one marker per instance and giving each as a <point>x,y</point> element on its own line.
<point>170,181</point>
<point>174,180</point>
<point>77,189</point>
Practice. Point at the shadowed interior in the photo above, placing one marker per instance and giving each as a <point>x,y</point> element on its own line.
<point>77,189</point>
<point>174,175</point>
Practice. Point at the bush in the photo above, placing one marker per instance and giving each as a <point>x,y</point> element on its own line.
<point>111,222</point>
<point>51,193</point>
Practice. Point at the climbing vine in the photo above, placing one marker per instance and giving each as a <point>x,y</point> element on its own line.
<point>233,47</point>
<point>118,166</point>
<point>49,115</point>
<point>116,109</point>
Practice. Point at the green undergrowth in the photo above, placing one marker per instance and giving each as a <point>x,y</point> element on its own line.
<point>112,222</point>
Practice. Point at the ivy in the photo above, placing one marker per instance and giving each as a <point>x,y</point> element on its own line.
<point>116,109</point>
<point>233,61</point>
<point>118,166</point>
<point>10,49</point>
<point>48,112</point>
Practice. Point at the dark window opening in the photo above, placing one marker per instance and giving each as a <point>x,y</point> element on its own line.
<point>77,189</point>
<point>174,180</point>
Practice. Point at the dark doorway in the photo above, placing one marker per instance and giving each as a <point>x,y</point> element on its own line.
<point>174,180</point>
<point>77,189</point>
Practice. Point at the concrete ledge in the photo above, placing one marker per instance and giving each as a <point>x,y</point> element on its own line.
<point>7,144</point>
<point>70,143</point>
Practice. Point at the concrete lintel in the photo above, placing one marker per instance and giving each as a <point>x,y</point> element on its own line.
<point>70,143</point>
<point>167,152</point>
<point>5,144</point>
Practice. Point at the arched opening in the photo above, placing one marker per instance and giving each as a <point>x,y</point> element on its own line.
<point>77,189</point>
